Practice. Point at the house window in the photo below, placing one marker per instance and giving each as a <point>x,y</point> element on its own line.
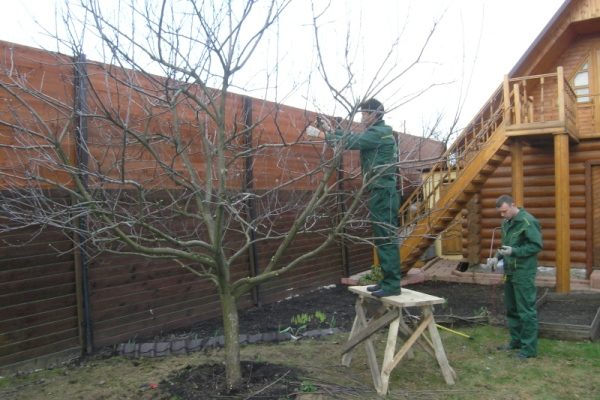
<point>581,83</point>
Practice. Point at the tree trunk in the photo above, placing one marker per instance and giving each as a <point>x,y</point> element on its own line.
<point>231,330</point>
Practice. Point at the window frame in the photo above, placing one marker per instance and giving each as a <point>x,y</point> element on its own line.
<point>587,97</point>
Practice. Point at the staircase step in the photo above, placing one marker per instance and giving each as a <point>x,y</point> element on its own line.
<point>478,180</point>
<point>424,243</point>
<point>496,159</point>
<point>471,189</point>
<point>487,169</point>
<point>504,149</point>
<point>437,228</point>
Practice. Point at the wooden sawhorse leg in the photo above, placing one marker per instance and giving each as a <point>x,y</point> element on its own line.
<point>438,347</point>
<point>362,330</point>
<point>356,336</point>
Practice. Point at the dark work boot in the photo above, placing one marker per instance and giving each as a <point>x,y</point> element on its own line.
<point>385,293</point>
<point>373,288</point>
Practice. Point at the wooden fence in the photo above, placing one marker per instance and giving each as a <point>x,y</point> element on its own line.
<point>56,301</point>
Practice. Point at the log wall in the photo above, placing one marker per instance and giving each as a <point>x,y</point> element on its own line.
<point>539,197</point>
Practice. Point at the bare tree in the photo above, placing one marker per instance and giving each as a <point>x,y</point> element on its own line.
<point>153,162</point>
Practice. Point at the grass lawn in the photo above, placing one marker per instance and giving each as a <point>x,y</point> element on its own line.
<point>563,370</point>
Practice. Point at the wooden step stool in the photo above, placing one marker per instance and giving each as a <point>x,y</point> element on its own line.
<point>364,328</point>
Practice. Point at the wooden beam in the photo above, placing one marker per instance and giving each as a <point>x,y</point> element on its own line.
<point>506,96</point>
<point>537,127</point>
<point>562,204</point>
<point>543,132</point>
<point>595,84</point>
<point>371,328</point>
<point>517,171</point>
<point>408,344</point>
<point>589,217</point>
<point>517,98</point>
<point>560,81</point>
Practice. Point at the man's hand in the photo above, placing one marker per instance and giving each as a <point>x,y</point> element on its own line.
<point>323,124</point>
<point>492,263</point>
<point>505,250</point>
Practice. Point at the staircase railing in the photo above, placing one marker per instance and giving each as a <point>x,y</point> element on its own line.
<point>525,105</point>
<point>454,160</point>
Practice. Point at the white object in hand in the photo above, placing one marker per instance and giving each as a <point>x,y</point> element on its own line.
<point>505,250</point>
<point>492,263</point>
<point>312,131</point>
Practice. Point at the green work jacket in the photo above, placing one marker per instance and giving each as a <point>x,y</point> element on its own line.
<point>378,153</point>
<point>522,232</point>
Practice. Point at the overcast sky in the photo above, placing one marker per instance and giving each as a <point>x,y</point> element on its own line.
<point>475,43</point>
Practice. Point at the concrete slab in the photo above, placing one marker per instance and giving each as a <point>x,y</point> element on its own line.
<point>595,279</point>
<point>445,270</point>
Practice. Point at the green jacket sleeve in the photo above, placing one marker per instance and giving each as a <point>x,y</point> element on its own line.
<point>524,238</point>
<point>369,139</point>
<point>533,244</point>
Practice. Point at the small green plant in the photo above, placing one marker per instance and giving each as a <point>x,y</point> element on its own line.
<point>374,275</point>
<point>301,319</point>
<point>332,321</point>
<point>132,340</point>
<point>307,387</point>
<point>482,312</point>
<point>320,316</point>
<point>300,322</point>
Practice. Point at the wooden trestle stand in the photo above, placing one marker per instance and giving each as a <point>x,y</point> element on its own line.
<point>364,328</point>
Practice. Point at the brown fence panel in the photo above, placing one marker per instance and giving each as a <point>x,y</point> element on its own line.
<point>38,303</point>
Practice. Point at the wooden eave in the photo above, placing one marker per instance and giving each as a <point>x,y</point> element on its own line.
<point>573,18</point>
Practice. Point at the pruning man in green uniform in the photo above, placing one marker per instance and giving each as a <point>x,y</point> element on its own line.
<point>521,243</point>
<point>378,157</point>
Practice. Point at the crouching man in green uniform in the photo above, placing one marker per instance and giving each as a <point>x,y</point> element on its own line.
<point>521,243</point>
<point>378,157</point>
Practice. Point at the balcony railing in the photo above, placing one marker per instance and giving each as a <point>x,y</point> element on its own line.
<point>540,104</point>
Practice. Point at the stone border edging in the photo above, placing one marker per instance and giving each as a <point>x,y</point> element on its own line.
<point>186,346</point>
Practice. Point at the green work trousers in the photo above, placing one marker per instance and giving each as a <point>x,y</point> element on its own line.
<point>383,209</point>
<point>521,314</point>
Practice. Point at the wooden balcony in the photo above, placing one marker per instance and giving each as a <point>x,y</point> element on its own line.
<point>540,105</point>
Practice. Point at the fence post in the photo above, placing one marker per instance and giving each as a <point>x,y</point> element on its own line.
<point>248,186</point>
<point>82,157</point>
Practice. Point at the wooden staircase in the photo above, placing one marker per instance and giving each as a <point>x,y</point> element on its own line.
<point>452,182</point>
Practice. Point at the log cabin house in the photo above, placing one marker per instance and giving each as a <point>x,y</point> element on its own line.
<point>537,137</point>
